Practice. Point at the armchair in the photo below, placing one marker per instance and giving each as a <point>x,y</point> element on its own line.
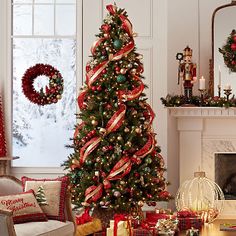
<point>11,185</point>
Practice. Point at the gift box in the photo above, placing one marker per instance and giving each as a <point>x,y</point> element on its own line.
<point>101,233</point>
<point>152,217</point>
<point>188,223</point>
<point>123,228</point>
<point>89,228</point>
<point>144,232</point>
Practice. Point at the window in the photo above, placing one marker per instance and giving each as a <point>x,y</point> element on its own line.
<point>43,31</point>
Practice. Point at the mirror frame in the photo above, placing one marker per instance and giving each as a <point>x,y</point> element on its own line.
<point>211,77</point>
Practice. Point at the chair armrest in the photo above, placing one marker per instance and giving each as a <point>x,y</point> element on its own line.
<point>6,223</point>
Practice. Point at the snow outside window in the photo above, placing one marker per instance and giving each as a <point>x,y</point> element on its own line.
<point>43,31</point>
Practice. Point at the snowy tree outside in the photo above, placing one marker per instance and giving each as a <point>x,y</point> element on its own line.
<point>40,133</point>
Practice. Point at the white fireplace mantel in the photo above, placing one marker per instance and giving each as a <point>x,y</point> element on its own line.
<point>203,132</point>
<point>202,112</point>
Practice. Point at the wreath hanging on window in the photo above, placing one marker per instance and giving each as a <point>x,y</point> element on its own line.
<point>48,95</point>
<point>229,51</point>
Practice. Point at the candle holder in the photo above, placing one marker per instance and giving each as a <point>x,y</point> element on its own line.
<point>202,91</point>
<point>227,93</point>
<point>219,90</point>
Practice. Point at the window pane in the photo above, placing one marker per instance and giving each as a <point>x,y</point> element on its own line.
<point>22,1</point>
<point>65,19</point>
<point>65,1</point>
<point>22,19</point>
<point>44,1</point>
<point>40,133</point>
<point>44,19</point>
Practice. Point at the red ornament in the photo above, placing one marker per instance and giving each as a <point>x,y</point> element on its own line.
<point>99,88</point>
<point>164,194</point>
<point>233,46</point>
<point>88,68</point>
<point>105,28</point>
<point>137,175</point>
<point>52,92</point>
<point>94,88</point>
<point>234,38</point>
<point>233,62</point>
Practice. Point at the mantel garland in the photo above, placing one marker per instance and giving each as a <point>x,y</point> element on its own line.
<point>52,92</point>
<point>180,100</point>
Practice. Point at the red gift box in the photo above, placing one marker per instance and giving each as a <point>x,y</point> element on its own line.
<point>188,223</point>
<point>152,216</point>
<point>144,232</point>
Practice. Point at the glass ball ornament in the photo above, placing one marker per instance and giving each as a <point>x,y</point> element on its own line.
<point>121,78</point>
<point>202,196</point>
<point>117,44</point>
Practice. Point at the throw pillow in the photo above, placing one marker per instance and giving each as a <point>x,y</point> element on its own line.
<point>24,206</point>
<point>50,193</point>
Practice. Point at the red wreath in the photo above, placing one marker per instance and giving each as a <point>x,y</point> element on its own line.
<point>52,93</point>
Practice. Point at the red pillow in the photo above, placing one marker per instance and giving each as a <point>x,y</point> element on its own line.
<point>51,195</point>
<point>24,206</point>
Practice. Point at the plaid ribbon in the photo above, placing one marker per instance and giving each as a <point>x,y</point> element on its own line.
<point>188,223</point>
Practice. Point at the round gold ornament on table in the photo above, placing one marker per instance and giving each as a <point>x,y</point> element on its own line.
<point>202,196</point>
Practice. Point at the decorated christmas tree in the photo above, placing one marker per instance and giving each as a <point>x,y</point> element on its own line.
<point>116,161</point>
<point>40,196</point>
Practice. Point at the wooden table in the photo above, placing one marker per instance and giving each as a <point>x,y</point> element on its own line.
<point>214,228</point>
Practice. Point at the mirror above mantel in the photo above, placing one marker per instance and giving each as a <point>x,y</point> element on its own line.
<point>222,25</point>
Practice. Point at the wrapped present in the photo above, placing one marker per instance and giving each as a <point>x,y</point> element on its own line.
<point>89,228</point>
<point>101,233</point>
<point>120,226</point>
<point>152,217</point>
<point>186,214</point>
<point>192,232</point>
<point>144,232</point>
<point>188,223</point>
<point>167,226</point>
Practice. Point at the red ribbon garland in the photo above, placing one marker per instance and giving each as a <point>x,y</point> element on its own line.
<point>113,124</point>
<point>132,94</point>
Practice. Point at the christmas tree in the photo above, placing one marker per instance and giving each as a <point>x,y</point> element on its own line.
<point>116,162</point>
<point>40,196</point>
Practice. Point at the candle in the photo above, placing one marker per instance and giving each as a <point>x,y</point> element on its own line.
<point>219,77</point>
<point>227,87</point>
<point>202,83</point>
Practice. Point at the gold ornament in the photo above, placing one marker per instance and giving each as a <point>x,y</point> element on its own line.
<point>102,131</point>
<point>138,130</point>
<point>129,66</point>
<point>135,34</point>
<point>140,203</point>
<point>119,138</point>
<point>129,144</point>
<point>126,130</point>
<point>94,122</point>
<point>123,71</point>
<point>133,71</point>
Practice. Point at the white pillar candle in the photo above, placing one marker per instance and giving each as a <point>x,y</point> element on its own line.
<point>219,77</point>
<point>227,87</point>
<point>202,83</point>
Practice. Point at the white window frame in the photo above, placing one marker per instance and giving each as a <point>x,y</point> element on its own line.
<point>6,80</point>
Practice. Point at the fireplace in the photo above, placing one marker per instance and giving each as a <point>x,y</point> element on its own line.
<point>207,140</point>
<point>225,174</point>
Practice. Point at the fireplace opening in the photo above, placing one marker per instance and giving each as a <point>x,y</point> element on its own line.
<point>225,174</point>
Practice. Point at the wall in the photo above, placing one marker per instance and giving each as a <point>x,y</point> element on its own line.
<point>189,23</point>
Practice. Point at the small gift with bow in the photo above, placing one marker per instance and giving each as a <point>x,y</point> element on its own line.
<point>86,224</point>
<point>120,226</point>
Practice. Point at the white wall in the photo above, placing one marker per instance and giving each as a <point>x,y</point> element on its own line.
<point>189,23</point>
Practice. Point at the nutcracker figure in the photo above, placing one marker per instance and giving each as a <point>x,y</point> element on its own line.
<point>186,71</point>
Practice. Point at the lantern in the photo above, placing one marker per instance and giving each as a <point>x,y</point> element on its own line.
<point>202,196</point>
